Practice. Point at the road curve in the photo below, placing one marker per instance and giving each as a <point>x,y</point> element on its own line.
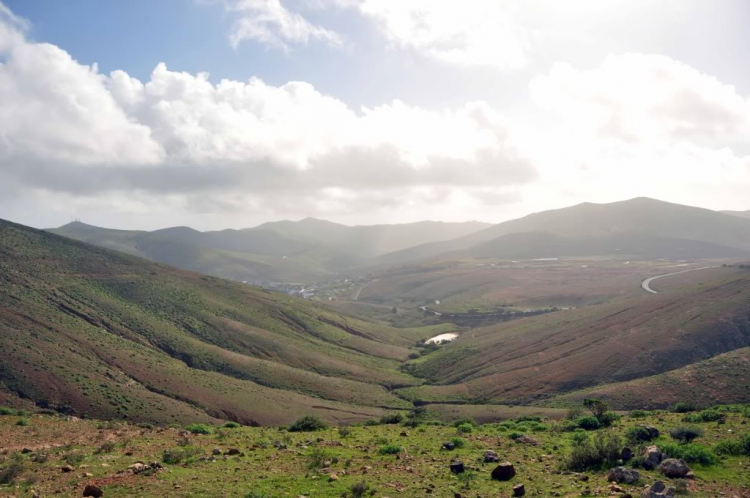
<point>646,284</point>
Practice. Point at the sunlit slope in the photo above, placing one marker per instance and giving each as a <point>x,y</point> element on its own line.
<point>721,379</point>
<point>531,359</point>
<point>114,335</point>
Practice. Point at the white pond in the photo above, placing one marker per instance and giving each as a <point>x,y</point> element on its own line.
<point>443,337</point>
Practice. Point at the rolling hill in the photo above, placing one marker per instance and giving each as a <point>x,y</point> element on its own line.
<point>525,361</point>
<point>109,335</point>
<point>285,251</point>
<point>643,227</point>
<point>741,214</point>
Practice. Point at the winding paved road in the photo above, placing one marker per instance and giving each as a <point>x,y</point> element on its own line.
<point>646,283</point>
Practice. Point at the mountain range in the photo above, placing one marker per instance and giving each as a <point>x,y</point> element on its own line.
<point>311,249</point>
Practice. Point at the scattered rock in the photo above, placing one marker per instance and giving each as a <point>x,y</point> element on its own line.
<point>652,457</point>
<point>504,472</point>
<point>653,432</point>
<point>490,457</point>
<point>448,446</point>
<point>67,468</point>
<point>233,451</point>
<point>659,490</point>
<point>519,490</point>
<point>527,440</point>
<point>91,490</point>
<point>626,454</point>
<point>26,451</point>
<point>333,477</point>
<point>674,468</point>
<point>457,467</point>
<point>217,451</point>
<point>623,475</point>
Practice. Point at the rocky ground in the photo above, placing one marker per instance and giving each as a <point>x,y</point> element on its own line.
<point>46,455</point>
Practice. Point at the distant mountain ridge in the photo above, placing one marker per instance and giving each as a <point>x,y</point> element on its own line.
<point>741,214</point>
<point>287,251</point>
<point>640,226</point>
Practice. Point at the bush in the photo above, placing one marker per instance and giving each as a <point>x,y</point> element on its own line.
<point>358,490</point>
<point>637,435</point>
<point>691,453</point>
<point>579,437</point>
<point>458,442</point>
<point>607,419</point>
<point>232,425</point>
<point>528,418</point>
<point>705,416</point>
<point>587,423</point>
<point>146,425</point>
<point>390,449</point>
<point>22,422</point>
<point>391,418</point>
<point>4,410</point>
<point>371,423</point>
<point>73,459</point>
<point>198,429</point>
<point>639,414</point>
<point>308,424</point>
<point>182,454</point>
<point>735,447</point>
<point>12,469</point>
<point>567,426</point>
<point>344,431</point>
<point>685,435</point>
<point>683,407</point>
<point>318,457</point>
<point>465,429</point>
<point>597,407</point>
<point>601,452</point>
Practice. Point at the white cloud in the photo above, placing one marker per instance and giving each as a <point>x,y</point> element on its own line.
<point>467,33</point>
<point>68,129</point>
<point>270,23</point>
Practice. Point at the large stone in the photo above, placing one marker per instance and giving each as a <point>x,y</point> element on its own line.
<point>658,490</point>
<point>527,440</point>
<point>623,475</point>
<point>457,467</point>
<point>626,454</point>
<point>91,490</point>
<point>652,457</point>
<point>490,457</point>
<point>448,446</point>
<point>504,472</point>
<point>653,432</point>
<point>674,468</point>
<point>519,490</point>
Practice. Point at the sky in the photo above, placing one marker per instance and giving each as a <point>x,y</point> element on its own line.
<point>230,113</point>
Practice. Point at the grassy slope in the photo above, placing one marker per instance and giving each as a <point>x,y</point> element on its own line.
<point>79,323</point>
<point>721,379</point>
<point>264,470</point>
<point>530,359</point>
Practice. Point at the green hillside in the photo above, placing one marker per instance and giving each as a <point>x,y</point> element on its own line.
<point>111,335</point>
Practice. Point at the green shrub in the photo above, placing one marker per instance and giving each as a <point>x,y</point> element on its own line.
<point>232,425</point>
<point>637,435</point>
<point>607,419</point>
<point>734,447</point>
<point>371,422</point>
<point>199,429</point>
<point>601,452</point>
<point>458,442</point>
<point>588,423</point>
<point>318,457</point>
<point>12,469</point>
<point>465,429</point>
<point>683,407</point>
<point>528,418</point>
<point>74,459</point>
<point>567,426</point>
<point>22,422</point>
<point>308,423</point>
<point>685,435</point>
<point>463,421</point>
<point>579,437</point>
<point>178,455</point>
<point>358,490</point>
<point>391,418</point>
<point>390,449</point>
<point>639,414</point>
<point>4,410</point>
<point>515,435</point>
<point>145,425</point>
<point>344,431</point>
<point>704,416</point>
<point>691,453</point>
